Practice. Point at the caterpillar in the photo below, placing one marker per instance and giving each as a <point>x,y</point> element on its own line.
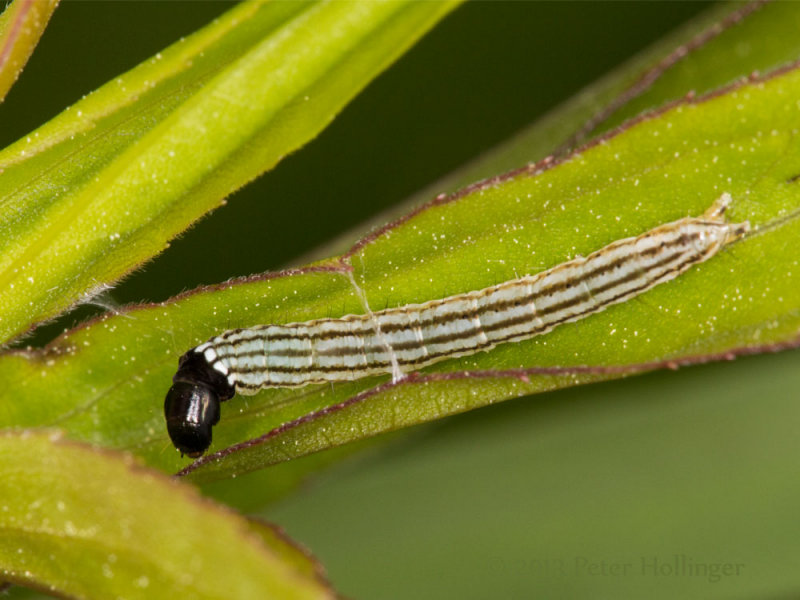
<point>417,335</point>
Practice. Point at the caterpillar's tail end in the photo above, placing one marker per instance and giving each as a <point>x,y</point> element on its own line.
<point>716,211</point>
<point>716,214</point>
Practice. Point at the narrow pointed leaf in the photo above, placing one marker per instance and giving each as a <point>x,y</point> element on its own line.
<point>105,382</point>
<point>91,524</point>
<point>105,185</point>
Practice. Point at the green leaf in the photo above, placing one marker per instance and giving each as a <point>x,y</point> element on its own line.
<point>120,530</point>
<point>105,185</point>
<point>696,59</point>
<point>693,59</point>
<point>760,36</point>
<point>21,25</point>
<point>105,382</point>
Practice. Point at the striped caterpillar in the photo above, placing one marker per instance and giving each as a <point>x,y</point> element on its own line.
<point>416,335</point>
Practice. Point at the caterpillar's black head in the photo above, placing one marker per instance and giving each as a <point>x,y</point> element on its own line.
<point>191,409</point>
<point>192,405</point>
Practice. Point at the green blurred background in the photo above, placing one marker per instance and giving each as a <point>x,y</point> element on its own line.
<point>666,485</point>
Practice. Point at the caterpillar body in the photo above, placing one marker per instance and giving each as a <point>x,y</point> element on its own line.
<point>416,335</point>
